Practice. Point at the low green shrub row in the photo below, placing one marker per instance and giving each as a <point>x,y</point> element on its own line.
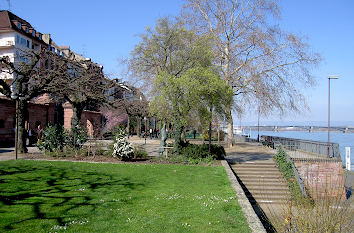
<point>197,154</point>
<point>54,138</point>
<point>286,169</point>
<point>58,142</point>
<point>202,151</point>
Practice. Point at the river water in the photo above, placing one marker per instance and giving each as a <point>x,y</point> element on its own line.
<point>343,139</point>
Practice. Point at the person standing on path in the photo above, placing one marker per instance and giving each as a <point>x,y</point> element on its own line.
<point>150,131</point>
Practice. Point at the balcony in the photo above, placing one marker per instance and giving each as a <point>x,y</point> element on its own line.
<point>6,43</point>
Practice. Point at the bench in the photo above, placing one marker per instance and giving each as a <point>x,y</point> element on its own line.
<point>165,149</point>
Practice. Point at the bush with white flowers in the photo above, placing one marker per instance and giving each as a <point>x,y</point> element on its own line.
<point>122,148</point>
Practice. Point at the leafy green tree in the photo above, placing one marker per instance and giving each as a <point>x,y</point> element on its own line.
<point>174,99</point>
<point>214,96</point>
<point>160,62</point>
<point>168,49</point>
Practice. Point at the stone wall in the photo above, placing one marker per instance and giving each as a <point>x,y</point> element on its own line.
<point>91,120</point>
<point>322,178</point>
<point>42,114</point>
<point>7,122</point>
<point>37,114</point>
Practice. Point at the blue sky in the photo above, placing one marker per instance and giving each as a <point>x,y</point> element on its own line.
<point>107,30</point>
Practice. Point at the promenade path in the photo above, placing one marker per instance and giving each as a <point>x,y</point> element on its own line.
<point>150,145</point>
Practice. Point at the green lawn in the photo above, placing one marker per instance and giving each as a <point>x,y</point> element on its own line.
<point>37,196</point>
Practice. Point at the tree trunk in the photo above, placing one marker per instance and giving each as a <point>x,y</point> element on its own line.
<point>209,137</point>
<point>138,126</point>
<point>202,135</point>
<point>128,127</point>
<point>76,118</point>
<point>227,78</point>
<point>22,134</point>
<point>230,126</point>
<point>183,136</point>
<point>178,136</point>
<point>218,133</point>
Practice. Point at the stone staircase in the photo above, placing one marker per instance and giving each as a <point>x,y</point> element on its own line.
<point>262,182</point>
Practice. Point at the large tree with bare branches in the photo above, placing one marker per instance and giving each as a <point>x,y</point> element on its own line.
<point>257,59</point>
<point>83,85</point>
<point>29,80</point>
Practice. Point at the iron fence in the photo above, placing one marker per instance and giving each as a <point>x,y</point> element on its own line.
<point>304,145</point>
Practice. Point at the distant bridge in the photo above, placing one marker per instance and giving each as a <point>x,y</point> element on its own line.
<point>299,128</point>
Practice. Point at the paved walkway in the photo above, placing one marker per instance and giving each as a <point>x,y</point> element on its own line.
<point>9,153</point>
<point>150,145</point>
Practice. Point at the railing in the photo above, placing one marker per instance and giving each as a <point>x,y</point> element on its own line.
<point>7,43</point>
<point>320,148</point>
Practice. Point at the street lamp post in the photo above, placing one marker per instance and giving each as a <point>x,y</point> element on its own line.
<point>258,125</point>
<point>16,133</point>
<point>329,111</point>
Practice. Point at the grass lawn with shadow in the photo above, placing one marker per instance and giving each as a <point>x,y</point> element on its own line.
<point>40,196</point>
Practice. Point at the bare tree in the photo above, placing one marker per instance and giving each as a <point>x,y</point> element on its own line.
<point>82,84</point>
<point>257,59</point>
<point>129,100</point>
<point>29,80</point>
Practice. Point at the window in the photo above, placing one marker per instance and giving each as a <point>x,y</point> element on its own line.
<point>23,41</point>
<point>27,30</point>
<point>2,124</point>
<point>18,25</point>
<point>17,39</point>
<point>33,33</point>
<point>40,36</point>
<point>28,43</point>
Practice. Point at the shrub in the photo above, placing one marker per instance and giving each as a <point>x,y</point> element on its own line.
<point>214,135</point>
<point>77,137</point>
<point>193,151</point>
<point>140,152</point>
<point>286,169</point>
<point>121,147</point>
<point>53,139</point>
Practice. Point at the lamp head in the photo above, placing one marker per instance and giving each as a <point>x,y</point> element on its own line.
<point>333,77</point>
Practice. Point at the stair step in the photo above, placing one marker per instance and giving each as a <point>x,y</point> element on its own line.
<point>268,192</point>
<point>266,187</point>
<point>254,172</point>
<point>269,188</point>
<point>260,166</point>
<point>260,201</point>
<point>264,182</point>
<point>254,163</point>
<point>270,196</point>
<point>273,169</point>
<point>260,176</point>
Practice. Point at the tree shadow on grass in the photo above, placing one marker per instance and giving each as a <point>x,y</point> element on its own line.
<point>55,193</point>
